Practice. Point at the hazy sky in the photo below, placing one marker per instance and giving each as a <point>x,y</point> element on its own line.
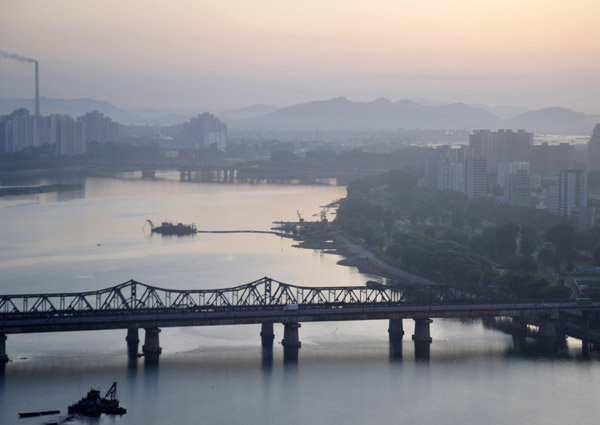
<point>231,53</point>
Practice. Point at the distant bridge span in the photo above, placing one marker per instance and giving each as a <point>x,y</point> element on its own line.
<point>132,305</point>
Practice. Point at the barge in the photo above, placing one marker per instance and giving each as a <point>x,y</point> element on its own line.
<point>168,228</point>
<point>94,405</point>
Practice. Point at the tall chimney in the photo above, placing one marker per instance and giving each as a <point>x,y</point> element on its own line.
<point>37,92</point>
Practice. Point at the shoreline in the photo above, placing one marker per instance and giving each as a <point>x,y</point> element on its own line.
<point>32,190</point>
<point>367,262</point>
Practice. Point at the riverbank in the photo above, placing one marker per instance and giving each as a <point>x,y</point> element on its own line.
<point>356,255</point>
<point>367,262</point>
<point>30,190</point>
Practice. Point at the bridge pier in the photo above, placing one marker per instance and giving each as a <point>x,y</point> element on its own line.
<point>585,319</point>
<point>151,346</point>
<point>291,342</point>
<point>586,346</point>
<point>3,356</point>
<point>185,175</point>
<point>519,326</point>
<point>547,328</point>
<point>422,333</point>
<point>267,335</point>
<point>395,329</point>
<point>133,341</point>
<point>396,332</point>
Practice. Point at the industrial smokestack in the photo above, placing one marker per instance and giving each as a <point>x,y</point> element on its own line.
<point>22,58</point>
<point>37,92</point>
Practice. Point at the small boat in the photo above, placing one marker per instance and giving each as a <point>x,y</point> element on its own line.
<point>94,405</point>
<point>168,228</point>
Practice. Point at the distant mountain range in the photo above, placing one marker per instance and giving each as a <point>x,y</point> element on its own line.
<point>339,114</point>
<point>556,120</point>
<point>382,114</point>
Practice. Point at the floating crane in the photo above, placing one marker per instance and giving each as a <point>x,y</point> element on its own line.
<point>322,214</point>
<point>300,216</point>
<point>94,405</point>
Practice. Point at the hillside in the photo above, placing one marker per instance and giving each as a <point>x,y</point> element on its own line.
<point>380,114</point>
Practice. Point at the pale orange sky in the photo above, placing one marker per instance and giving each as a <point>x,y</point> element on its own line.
<point>224,54</point>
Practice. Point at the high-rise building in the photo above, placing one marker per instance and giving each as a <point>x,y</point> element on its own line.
<point>21,132</point>
<point>72,137</point>
<point>585,217</point>
<point>450,176</point>
<point>99,128</point>
<point>505,168</point>
<point>444,168</point>
<point>594,150</point>
<point>484,144</point>
<point>517,188</point>
<point>514,146</point>
<point>205,130</point>
<point>570,192</point>
<point>501,146</point>
<point>475,177</point>
<point>548,160</point>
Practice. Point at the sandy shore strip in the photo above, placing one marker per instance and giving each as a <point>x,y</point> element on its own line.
<point>367,262</point>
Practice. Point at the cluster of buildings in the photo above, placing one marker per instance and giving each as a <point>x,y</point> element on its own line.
<point>466,169</point>
<point>205,130</point>
<point>68,135</point>
<point>544,175</point>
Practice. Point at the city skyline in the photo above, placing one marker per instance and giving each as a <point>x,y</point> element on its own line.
<point>223,56</point>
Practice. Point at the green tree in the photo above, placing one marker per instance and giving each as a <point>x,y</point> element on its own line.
<point>588,239</point>
<point>485,242</point>
<point>528,240</point>
<point>283,157</point>
<point>562,236</point>
<point>522,263</point>
<point>549,258</point>
<point>506,239</point>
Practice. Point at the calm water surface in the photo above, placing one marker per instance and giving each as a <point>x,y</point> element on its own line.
<point>347,374</point>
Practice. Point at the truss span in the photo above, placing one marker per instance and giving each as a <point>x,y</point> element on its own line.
<point>266,293</point>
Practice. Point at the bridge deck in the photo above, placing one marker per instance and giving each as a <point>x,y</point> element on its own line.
<point>134,304</point>
<point>59,322</point>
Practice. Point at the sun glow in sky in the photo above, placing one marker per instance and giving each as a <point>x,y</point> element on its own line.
<point>232,53</point>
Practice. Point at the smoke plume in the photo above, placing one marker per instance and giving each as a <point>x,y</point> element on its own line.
<point>16,57</point>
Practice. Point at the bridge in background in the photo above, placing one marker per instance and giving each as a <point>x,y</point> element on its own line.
<point>133,305</point>
<point>228,173</point>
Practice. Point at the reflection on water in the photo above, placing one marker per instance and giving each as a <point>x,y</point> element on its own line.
<point>395,349</point>
<point>267,359</point>
<point>220,384</point>
<point>422,349</point>
<point>346,373</point>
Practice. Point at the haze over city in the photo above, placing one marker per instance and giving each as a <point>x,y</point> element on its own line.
<point>220,55</point>
<point>320,212</point>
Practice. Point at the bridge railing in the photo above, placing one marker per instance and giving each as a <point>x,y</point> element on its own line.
<point>266,293</point>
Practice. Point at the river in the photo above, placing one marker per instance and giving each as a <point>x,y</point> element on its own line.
<point>346,373</point>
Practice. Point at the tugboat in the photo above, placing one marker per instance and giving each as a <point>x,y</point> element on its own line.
<point>94,405</point>
<point>168,228</point>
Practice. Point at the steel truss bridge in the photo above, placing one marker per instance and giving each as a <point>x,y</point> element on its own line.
<point>134,304</point>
